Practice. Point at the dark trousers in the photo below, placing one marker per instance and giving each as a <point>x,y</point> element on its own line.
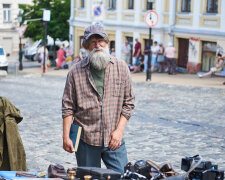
<point>171,65</point>
<point>91,156</point>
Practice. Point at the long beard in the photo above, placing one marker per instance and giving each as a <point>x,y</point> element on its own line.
<point>100,59</point>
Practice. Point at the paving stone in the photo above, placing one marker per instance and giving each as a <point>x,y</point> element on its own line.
<point>169,122</point>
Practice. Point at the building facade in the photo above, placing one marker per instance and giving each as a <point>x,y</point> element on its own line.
<point>9,37</point>
<point>195,27</point>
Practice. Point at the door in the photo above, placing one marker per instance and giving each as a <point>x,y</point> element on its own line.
<point>183,52</point>
<point>208,55</point>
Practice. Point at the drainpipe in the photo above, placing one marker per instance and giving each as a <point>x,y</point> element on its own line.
<point>71,36</point>
<point>172,20</point>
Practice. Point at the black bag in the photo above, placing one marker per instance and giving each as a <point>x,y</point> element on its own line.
<point>57,171</point>
<point>97,173</point>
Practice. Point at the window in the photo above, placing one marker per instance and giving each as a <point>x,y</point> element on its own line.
<point>130,4</point>
<point>81,3</point>
<point>186,6</point>
<point>212,6</point>
<point>112,4</point>
<point>6,12</point>
<point>149,5</point>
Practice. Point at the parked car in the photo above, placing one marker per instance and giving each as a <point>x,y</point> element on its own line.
<point>3,59</point>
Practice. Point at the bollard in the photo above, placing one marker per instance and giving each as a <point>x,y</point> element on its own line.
<point>17,68</point>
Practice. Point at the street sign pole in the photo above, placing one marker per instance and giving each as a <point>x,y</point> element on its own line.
<point>46,18</point>
<point>45,37</point>
<point>151,19</point>
<point>148,72</point>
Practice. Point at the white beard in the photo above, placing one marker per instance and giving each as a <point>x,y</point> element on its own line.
<point>99,60</point>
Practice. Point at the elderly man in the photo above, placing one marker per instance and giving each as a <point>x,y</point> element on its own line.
<point>98,96</point>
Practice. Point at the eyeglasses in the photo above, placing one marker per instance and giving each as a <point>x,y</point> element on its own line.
<point>95,42</point>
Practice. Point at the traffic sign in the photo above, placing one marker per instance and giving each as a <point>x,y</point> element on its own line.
<point>151,18</point>
<point>46,15</point>
<point>21,30</point>
<point>97,11</point>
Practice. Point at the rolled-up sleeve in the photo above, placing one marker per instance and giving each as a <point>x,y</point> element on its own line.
<point>128,102</point>
<point>68,99</point>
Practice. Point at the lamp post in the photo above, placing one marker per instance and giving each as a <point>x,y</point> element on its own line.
<point>20,45</point>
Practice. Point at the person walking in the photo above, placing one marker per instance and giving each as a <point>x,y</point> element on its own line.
<point>126,52</point>
<point>98,96</point>
<point>146,50</point>
<point>160,58</point>
<point>154,51</point>
<point>137,53</point>
<point>170,53</point>
<point>41,52</point>
<point>60,57</point>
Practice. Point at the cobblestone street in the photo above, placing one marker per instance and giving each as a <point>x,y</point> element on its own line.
<point>169,121</point>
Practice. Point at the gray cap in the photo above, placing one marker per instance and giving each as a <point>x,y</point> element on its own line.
<point>94,30</point>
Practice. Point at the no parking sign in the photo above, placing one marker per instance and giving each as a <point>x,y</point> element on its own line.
<point>97,10</point>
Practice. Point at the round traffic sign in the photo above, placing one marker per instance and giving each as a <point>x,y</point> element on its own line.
<point>151,18</point>
<point>97,11</point>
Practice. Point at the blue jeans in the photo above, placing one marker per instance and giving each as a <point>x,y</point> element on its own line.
<point>137,61</point>
<point>91,156</point>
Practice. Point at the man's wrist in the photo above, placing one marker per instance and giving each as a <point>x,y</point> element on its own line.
<point>65,137</point>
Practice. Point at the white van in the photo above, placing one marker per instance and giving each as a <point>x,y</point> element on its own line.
<point>30,52</point>
<point>3,59</point>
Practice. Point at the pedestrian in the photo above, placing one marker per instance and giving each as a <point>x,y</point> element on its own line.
<point>154,51</point>
<point>170,53</point>
<point>126,52</point>
<point>137,53</point>
<point>83,53</point>
<point>98,96</point>
<point>60,57</point>
<point>146,51</point>
<point>69,53</point>
<point>113,53</point>
<point>43,60</point>
<point>160,58</point>
<point>219,65</point>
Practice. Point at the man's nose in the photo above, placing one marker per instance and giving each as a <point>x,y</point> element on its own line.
<point>98,45</point>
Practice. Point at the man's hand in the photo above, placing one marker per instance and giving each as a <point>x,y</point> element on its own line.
<point>115,139</point>
<point>68,145</point>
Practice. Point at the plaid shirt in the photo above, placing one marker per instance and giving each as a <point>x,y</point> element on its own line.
<point>98,117</point>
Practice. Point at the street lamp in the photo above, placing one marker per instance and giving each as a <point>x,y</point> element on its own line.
<point>20,45</point>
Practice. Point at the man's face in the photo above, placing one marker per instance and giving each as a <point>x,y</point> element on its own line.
<point>96,42</point>
<point>98,52</point>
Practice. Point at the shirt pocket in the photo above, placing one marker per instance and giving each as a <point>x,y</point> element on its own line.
<point>117,87</point>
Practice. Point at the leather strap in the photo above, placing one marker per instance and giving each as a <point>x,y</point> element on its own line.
<point>25,174</point>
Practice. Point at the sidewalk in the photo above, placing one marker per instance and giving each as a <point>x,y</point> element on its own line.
<point>162,78</point>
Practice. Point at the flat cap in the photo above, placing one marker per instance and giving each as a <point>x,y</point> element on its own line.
<point>95,29</point>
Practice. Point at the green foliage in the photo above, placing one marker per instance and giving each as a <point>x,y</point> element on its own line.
<point>58,27</point>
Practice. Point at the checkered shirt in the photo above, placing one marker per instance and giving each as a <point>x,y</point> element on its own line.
<point>98,117</point>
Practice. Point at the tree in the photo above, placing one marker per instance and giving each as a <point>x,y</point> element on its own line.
<point>58,27</point>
